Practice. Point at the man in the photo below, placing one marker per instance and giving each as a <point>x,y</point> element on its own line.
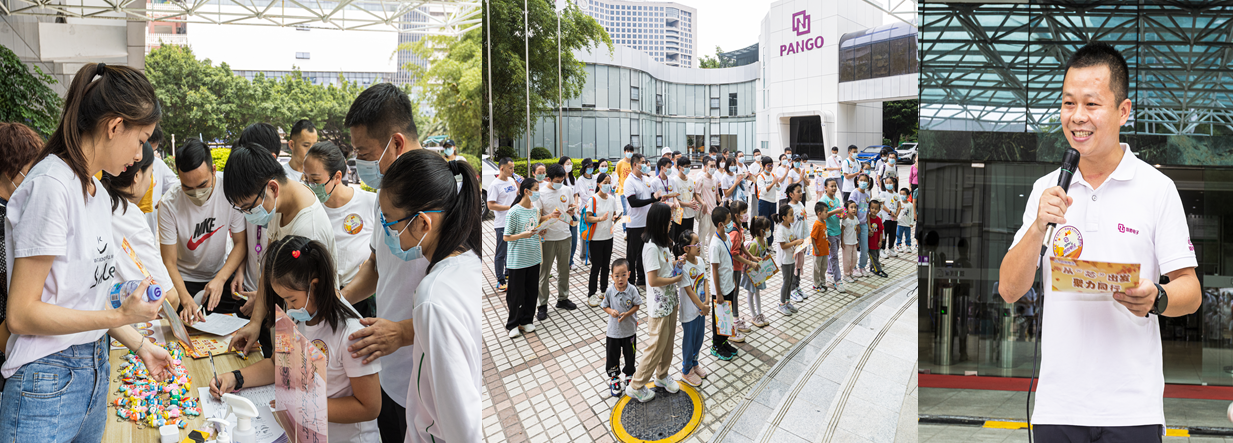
<point>640,197</point>
<point>683,185</point>
<point>501,196</point>
<point>189,217</point>
<point>850,169</point>
<point>622,171</point>
<point>1101,367</point>
<point>557,199</point>
<point>676,155</point>
<point>265,136</point>
<point>766,188</point>
<point>303,136</point>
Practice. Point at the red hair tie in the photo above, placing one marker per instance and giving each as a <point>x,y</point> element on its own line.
<point>295,253</point>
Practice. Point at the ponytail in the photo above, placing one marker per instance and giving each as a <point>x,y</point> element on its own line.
<point>421,180</point>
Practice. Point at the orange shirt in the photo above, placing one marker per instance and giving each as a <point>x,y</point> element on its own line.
<point>622,171</point>
<point>821,246</point>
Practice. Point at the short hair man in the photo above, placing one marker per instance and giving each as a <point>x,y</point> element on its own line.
<point>1101,366</point>
<point>502,194</point>
<point>302,137</point>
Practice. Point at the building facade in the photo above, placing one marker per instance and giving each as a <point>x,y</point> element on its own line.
<point>667,32</point>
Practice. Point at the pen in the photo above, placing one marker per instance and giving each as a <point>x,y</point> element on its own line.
<point>212,368</point>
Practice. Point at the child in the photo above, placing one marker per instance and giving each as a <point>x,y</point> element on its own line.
<point>621,301</point>
<point>662,303</point>
<point>875,238</point>
<point>759,250</point>
<point>861,196</point>
<point>694,307</point>
<point>300,272</point>
<point>787,242</point>
<point>523,259</point>
<point>723,285</point>
<point>851,234</point>
<point>796,199</point>
<point>740,260</point>
<point>906,219</point>
<point>833,231</point>
<point>821,246</point>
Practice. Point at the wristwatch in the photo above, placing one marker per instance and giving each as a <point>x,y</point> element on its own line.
<point>239,379</point>
<point>1162,300</point>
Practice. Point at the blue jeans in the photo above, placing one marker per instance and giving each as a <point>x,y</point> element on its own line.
<point>624,213</point>
<point>58,398</point>
<point>498,258</point>
<point>765,209</point>
<point>695,333</point>
<point>904,233</point>
<point>864,244</point>
<point>573,243</point>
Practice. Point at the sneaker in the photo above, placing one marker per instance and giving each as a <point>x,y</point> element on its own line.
<point>839,287</point>
<point>593,300</point>
<point>542,313</point>
<point>726,346</point>
<point>514,333</point>
<point>791,306</point>
<point>668,384</point>
<point>700,371</point>
<point>566,304</point>
<point>642,395</point>
<point>893,253</point>
<point>783,309</point>
<point>760,321</point>
<point>741,325</point>
<point>721,353</point>
<point>614,386</point>
<point>529,327</point>
<point>738,337</point>
<point>849,279</point>
<point>882,254</point>
<point>795,296</point>
<point>503,287</point>
<point>823,288</point>
<point>627,379</point>
<point>883,274</point>
<point>691,379</point>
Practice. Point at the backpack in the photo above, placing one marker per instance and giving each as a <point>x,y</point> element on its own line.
<point>588,229</point>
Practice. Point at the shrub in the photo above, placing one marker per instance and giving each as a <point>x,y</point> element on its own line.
<point>506,151</point>
<point>540,153</point>
<point>220,157</point>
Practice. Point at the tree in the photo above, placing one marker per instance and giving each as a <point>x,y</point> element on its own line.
<point>718,61</point>
<point>900,120</point>
<point>509,78</point>
<point>453,86</point>
<point>26,97</point>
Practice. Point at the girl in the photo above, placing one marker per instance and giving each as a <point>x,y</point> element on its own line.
<point>603,167</point>
<point>740,260</point>
<point>904,224</point>
<point>601,209</point>
<point>428,216</point>
<point>60,265</point>
<point>570,181</point>
<point>349,210</point>
<point>758,248</point>
<point>834,229</point>
<point>694,307</point>
<point>523,259</point>
<point>796,195</point>
<point>128,223</point>
<point>301,272</point>
<point>661,302</point>
<point>890,213</point>
<point>861,197</point>
<point>851,236</point>
<point>584,189</point>
<point>787,241</point>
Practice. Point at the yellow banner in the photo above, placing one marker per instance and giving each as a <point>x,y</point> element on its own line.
<point>1092,277</point>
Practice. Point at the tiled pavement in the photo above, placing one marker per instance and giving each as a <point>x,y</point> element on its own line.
<point>549,385</point>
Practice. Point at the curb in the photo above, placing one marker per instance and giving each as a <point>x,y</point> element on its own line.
<point>959,420</point>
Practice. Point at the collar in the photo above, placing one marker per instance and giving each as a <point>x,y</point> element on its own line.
<point>1125,170</point>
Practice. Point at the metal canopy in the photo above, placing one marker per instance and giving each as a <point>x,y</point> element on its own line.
<point>363,15</point>
<point>999,67</point>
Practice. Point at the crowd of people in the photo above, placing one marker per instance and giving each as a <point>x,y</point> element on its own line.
<point>693,233</point>
<point>384,281</point>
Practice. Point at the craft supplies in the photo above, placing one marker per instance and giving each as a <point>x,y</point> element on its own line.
<point>149,402</point>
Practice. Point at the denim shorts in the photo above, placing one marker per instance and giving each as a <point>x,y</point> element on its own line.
<point>58,398</point>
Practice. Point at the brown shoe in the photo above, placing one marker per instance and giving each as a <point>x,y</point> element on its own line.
<point>699,370</point>
<point>691,379</point>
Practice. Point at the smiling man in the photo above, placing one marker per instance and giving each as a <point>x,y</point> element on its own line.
<point>1101,371</point>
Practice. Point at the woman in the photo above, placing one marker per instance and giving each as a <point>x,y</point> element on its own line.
<point>128,224</point>
<point>601,209</point>
<point>570,181</point>
<point>18,146</point>
<point>350,212</point>
<point>584,189</point>
<point>62,259</point>
<point>427,215</point>
<point>661,306</point>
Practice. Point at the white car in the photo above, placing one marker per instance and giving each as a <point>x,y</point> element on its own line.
<point>906,153</point>
<point>488,174</point>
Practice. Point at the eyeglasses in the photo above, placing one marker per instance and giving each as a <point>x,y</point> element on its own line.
<point>388,225</point>
<point>254,206</point>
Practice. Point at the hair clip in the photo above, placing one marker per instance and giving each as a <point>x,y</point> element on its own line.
<point>295,253</point>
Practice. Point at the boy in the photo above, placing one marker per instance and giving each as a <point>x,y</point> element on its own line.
<point>621,302</point>
<point>821,246</point>
<point>875,238</point>
<point>724,285</point>
<point>906,220</point>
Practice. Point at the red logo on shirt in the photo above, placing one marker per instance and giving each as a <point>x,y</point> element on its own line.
<point>203,230</point>
<point>1124,229</point>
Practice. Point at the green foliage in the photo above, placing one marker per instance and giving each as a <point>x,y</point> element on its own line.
<point>540,153</point>
<point>473,161</point>
<point>900,121</point>
<point>220,157</point>
<point>367,188</point>
<point>452,85</point>
<point>709,62</point>
<point>509,78</point>
<point>26,97</point>
<point>505,151</point>
<point>170,161</point>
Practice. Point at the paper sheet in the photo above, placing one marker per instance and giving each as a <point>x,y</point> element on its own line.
<point>1092,277</point>
<point>205,345</point>
<point>723,315</point>
<point>220,324</point>
<point>299,380</point>
<point>760,274</point>
<point>267,429</point>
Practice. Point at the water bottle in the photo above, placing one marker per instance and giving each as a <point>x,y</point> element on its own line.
<point>121,290</point>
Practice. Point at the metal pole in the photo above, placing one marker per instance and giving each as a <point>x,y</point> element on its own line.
<point>526,61</point>
<point>560,105</point>
<point>492,134</point>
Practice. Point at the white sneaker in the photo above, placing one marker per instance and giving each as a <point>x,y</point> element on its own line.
<point>850,279</point>
<point>593,301</point>
<point>669,384</point>
<point>514,333</point>
<point>795,297</point>
<point>529,327</point>
<point>892,253</point>
<point>839,288</point>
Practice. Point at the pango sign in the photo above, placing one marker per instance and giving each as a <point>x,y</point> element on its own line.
<point>801,25</point>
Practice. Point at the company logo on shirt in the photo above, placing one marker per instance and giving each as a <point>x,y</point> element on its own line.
<point>1123,229</point>
<point>1190,244</point>
<point>103,268</point>
<point>325,350</point>
<point>1068,242</point>
<point>203,231</point>
<point>562,198</point>
<point>353,224</point>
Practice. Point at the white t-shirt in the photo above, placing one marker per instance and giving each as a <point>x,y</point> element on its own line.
<point>610,206</point>
<point>833,161</point>
<point>131,224</point>
<point>442,404</point>
<point>890,202</point>
<point>661,299</point>
<point>851,231</point>
<point>551,200</point>
<point>906,218</point>
<point>395,300</point>
<point>201,252</point>
<point>311,222</point>
<point>726,182</point>
<point>164,181</point>
<point>850,166</point>
<point>799,223</point>
<point>585,187</point>
<point>1100,364</point>
<point>684,186</point>
<point>768,191</point>
<point>783,235</point>
<point>48,216</point>
<point>689,311</point>
<point>721,253</point>
<point>340,368</point>
<point>502,192</point>
<point>292,174</point>
<point>635,187</point>
<point>353,225</point>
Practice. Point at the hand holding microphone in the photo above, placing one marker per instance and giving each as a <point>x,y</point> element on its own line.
<point>1054,201</point>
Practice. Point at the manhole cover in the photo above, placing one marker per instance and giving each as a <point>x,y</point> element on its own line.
<point>666,418</point>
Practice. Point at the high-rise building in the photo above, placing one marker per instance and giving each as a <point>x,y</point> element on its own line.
<point>666,31</point>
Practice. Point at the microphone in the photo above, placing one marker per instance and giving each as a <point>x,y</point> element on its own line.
<point>1070,163</point>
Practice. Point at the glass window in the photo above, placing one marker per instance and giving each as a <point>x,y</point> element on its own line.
<point>714,103</point>
<point>659,141</point>
<point>732,104</point>
<point>633,140</point>
<point>302,55</point>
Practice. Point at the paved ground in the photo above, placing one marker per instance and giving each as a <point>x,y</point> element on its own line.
<point>549,385</point>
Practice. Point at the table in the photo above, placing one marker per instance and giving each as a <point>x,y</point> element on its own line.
<point>199,369</point>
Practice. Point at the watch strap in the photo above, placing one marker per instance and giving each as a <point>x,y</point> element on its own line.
<point>239,379</point>
<point>1160,293</point>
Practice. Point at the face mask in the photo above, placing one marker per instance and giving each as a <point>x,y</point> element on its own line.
<point>890,187</point>
<point>569,167</point>
<point>301,315</point>
<point>199,196</point>
<point>260,216</point>
<point>449,152</point>
<point>391,240</point>
<point>710,171</point>
<point>539,177</point>
<point>864,185</point>
<point>534,195</point>
<point>589,171</point>
<point>731,226</point>
<point>628,154</point>
<point>903,197</point>
<point>891,161</point>
<point>319,191</point>
<point>556,186</point>
<point>646,169</point>
<point>370,171</point>
<point>606,188</point>
<point>732,169</point>
<point>796,164</point>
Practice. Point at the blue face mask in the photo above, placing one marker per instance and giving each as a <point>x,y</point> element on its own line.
<point>646,169</point>
<point>864,185</point>
<point>539,177</point>
<point>370,171</point>
<point>890,187</point>
<point>606,188</point>
<point>796,164</point>
<point>534,195</point>
<point>628,154</point>
<point>448,151</point>
<point>891,161</point>
<point>556,186</point>
<point>731,226</point>
<point>259,215</point>
<point>391,240</point>
<point>301,315</point>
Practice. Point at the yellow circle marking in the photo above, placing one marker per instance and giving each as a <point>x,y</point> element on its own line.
<point>696,419</point>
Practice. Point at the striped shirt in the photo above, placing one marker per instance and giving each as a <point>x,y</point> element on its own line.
<point>526,252</point>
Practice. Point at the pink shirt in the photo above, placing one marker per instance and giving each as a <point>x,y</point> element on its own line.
<point>707,189</point>
<point>912,176</point>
